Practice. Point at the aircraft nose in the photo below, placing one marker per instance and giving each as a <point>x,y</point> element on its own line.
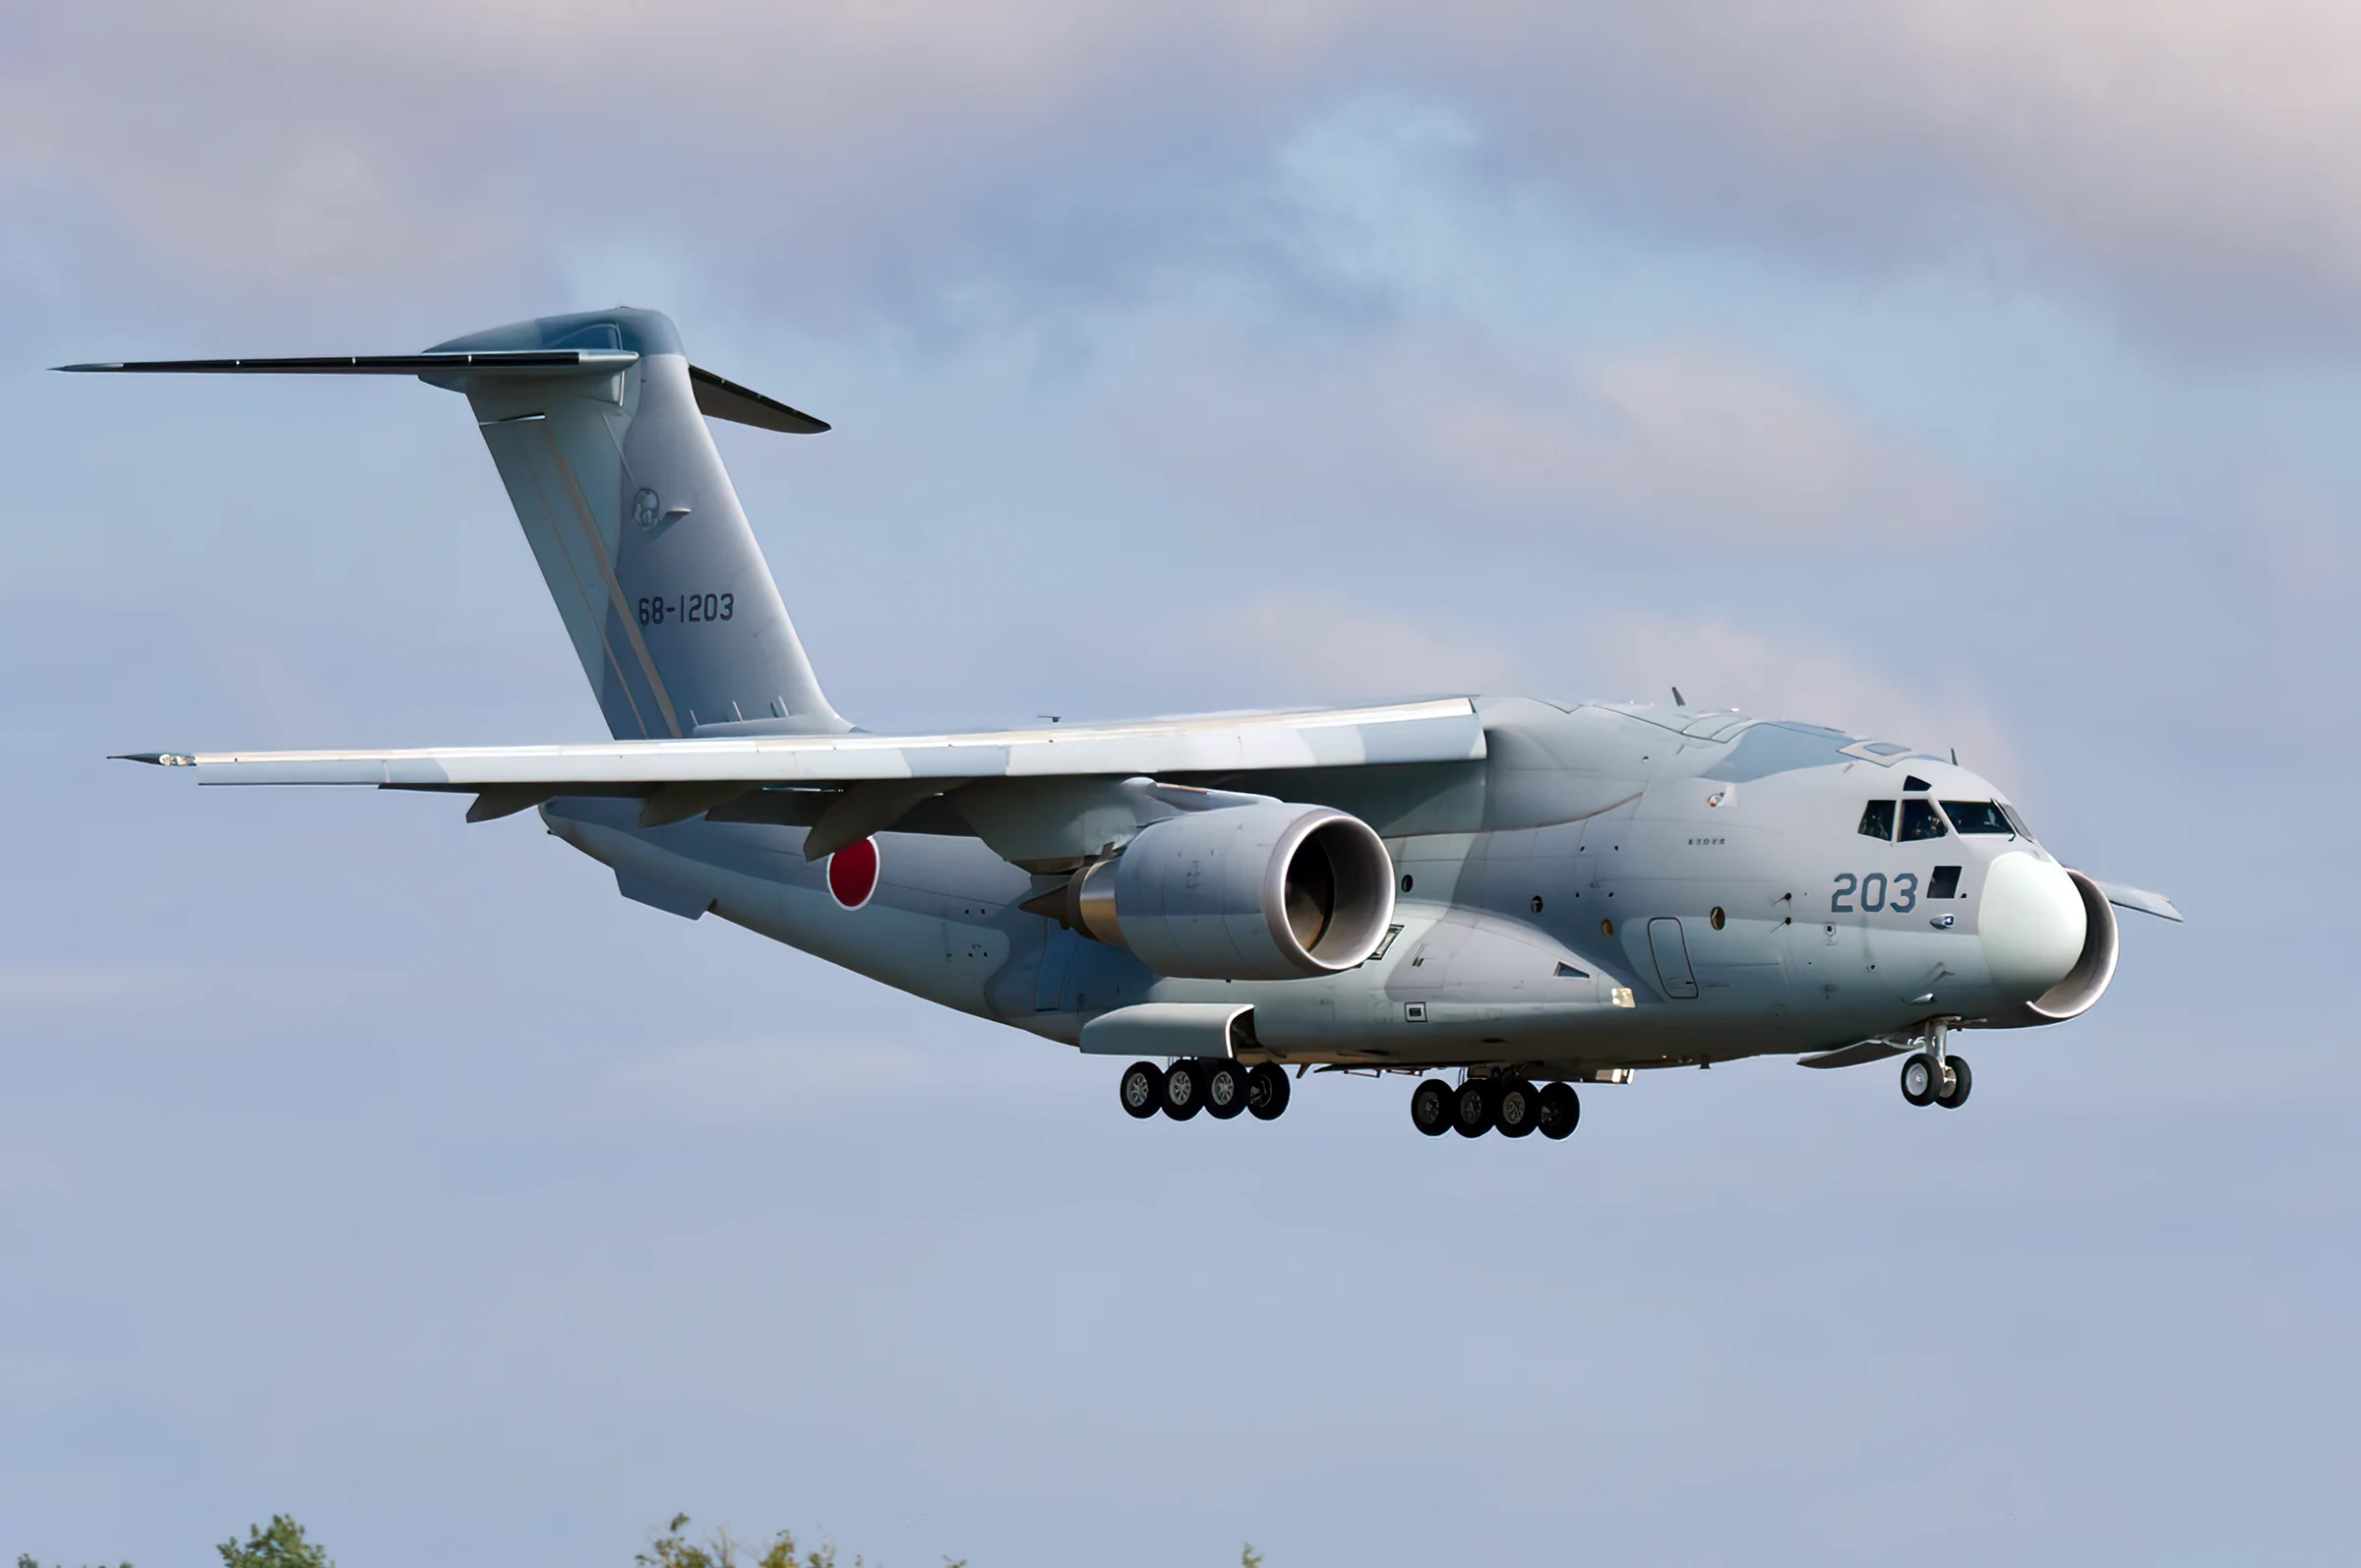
<point>2032,925</point>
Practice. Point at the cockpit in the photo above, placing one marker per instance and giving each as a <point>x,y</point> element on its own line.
<point>1916,818</point>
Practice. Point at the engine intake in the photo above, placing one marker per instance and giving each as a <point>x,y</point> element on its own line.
<point>1272,891</point>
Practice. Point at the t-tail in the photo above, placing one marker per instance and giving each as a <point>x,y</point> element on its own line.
<point>595,422</point>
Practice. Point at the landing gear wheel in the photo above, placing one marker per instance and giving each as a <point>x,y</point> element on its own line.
<point>1561,1110</point>
<point>1920,1080</point>
<point>1266,1091</point>
<point>1516,1107</point>
<point>1183,1090</point>
<point>1430,1107</point>
<point>1956,1094</point>
<point>1225,1090</point>
<point>1472,1108</point>
<point>1142,1088</point>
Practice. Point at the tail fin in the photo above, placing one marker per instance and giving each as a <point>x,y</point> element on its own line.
<point>673,611</point>
<point>596,424</point>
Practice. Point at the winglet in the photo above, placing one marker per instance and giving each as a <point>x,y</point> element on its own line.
<point>155,758</point>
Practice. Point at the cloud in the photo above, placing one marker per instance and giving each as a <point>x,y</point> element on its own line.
<point>2182,162</point>
<point>1696,439</point>
<point>1323,647</point>
<point>1387,431</point>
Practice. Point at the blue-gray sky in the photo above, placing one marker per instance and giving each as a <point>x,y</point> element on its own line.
<point>1973,374</point>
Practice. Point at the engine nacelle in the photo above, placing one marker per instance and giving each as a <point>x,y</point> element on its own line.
<point>1271,892</point>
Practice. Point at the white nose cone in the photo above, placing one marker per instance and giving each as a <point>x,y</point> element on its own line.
<point>2033,925</point>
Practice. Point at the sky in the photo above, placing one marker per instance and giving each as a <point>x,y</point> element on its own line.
<point>1972,373</point>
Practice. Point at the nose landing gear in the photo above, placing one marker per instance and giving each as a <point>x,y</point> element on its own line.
<point>1937,1077</point>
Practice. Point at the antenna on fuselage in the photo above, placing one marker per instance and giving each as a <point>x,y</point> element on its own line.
<point>1678,701</point>
<point>1955,756</point>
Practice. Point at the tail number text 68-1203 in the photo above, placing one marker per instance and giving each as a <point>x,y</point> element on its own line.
<point>692,607</point>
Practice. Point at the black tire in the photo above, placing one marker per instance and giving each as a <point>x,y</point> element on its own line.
<point>1516,1107</point>
<point>1472,1108</point>
<point>1961,1081</point>
<point>1183,1090</point>
<point>1430,1107</point>
<point>1561,1110</point>
<point>1267,1091</point>
<point>1225,1090</point>
<point>1920,1080</point>
<point>1142,1089</point>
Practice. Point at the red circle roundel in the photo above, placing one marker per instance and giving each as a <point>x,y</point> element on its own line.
<point>852,873</point>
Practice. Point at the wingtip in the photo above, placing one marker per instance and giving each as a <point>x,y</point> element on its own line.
<point>154,758</point>
<point>85,367</point>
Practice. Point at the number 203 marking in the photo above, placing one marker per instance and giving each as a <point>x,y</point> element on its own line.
<point>1872,892</point>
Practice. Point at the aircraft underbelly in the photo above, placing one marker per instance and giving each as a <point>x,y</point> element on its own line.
<point>1461,982</point>
<point>938,922</point>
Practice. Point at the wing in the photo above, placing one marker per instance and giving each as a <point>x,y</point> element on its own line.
<point>2136,898</point>
<point>871,781</point>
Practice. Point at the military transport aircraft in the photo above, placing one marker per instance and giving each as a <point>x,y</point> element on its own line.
<point>1480,893</point>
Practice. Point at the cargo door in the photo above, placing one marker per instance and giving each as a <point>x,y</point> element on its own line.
<point>1672,953</point>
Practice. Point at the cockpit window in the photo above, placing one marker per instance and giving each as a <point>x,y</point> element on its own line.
<point>1877,821</point>
<point>1978,817</point>
<point>2017,822</point>
<point>1920,820</point>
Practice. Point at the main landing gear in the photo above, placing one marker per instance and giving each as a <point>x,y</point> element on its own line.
<point>1511,1106</point>
<point>1937,1077</point>
<point>1219,1088</point>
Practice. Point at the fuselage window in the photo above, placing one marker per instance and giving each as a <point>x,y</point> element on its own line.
<point>1877,821</point>
<point>1978,817</point>
<point>1920,820</point>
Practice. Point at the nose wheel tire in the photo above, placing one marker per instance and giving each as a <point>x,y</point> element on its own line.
<point>1559,1111</point>
<point>1516,1107</point>
<point>1472,1108</point>
<point>1956,1095</point>
<point>1266,1091</point>
<point>1142,1089</point>
<point>1430,1107</point>
<point>1919,1082</point>
<point>1183,1090</point>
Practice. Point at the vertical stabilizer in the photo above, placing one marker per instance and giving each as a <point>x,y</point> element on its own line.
<point>637,530</point>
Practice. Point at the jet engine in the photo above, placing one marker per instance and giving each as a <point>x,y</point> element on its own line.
<point>1268,891</point>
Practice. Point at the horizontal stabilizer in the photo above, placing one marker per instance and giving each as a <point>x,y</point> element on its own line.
<point>717,398</point>
<point>517,361</point>
<point>1445,730</point>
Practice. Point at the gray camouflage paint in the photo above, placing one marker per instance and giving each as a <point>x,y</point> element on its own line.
<point>1640,843</point>
<point>1581,887</point>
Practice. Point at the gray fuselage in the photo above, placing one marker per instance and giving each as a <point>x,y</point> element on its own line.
<point>1608,886</point>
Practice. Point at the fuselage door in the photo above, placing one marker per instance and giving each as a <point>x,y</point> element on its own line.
<point>1672,951</point>
<point>1056,957</point>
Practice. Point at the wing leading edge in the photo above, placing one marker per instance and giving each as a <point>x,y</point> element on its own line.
<point>1445,730</point>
